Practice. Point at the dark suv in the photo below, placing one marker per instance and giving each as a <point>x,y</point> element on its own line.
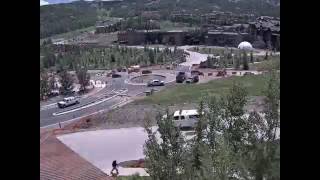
<point>181,77</point>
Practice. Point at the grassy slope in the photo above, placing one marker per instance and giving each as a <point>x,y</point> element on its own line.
<point>192,93</point>
<point>70,34</point>
<point>267,65</point>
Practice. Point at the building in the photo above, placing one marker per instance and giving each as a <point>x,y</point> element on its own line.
<point>225,18</point>
<point>262,33</point>
<point>220,38</point>
<point>107,27</point>
<point>151,37</point>
<point>266,30</point>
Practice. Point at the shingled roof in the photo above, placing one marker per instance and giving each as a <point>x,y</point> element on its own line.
<point>58,162</point>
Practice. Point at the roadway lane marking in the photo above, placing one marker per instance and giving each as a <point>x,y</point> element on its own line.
<point>124,102</point>
<point>49,106</point>
<point>53,105</point>
<point>89,105</point>
<point>74,119</point>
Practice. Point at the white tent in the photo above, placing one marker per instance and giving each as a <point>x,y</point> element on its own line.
<point>245,46</point>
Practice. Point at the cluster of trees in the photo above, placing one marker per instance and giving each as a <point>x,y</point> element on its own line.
<point>131,23</point>
<point>54,65</point>
<point>229,143</point>
<point>61,18</point>
<point>189,20</point>
<point>48,83</point>
<point>228,58</point>
<point>139,23</point>
<point>54,57</point>
<point>59,60</point>
<point>166,7</point>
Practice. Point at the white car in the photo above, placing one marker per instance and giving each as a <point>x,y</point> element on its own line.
<point>69,101</point>
<point>155,83</point>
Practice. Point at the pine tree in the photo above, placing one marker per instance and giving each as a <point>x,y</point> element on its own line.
<point>233,104</point>
<point>83,77</point>
<point>251,57</point>
<point>245,61</point>
<point>164,159</point>
<point>264,159</point>
<point>44,85</point>
<point>113,59</point>
<point>266,57</point>
<point>198,146</point>
<point>237,62</point>
<point>52,83</point>
<point>66,82</point>
<point>151,57</point>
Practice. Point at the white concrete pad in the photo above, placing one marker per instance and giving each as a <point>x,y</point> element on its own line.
<point>104,146</point>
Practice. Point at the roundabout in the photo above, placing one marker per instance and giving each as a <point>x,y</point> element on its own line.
<point>143,79</point>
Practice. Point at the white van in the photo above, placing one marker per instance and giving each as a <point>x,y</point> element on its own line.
<point>186,118</point>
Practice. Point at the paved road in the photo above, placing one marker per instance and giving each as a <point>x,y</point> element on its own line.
<point>48,115</point>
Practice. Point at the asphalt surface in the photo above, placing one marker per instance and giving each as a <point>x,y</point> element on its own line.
<point>50,114</point>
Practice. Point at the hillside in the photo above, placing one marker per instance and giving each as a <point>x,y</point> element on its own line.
<point>61,18</point>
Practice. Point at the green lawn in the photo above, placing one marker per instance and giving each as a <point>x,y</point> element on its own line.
<point>185,93</point>
<point>273,63</point>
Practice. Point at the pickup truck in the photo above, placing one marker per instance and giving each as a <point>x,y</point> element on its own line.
<point>68,101</point>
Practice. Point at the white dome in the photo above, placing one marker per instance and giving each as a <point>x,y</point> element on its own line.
<point>245,45</point>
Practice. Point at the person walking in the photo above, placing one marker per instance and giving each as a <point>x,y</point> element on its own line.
<point>114,167</point>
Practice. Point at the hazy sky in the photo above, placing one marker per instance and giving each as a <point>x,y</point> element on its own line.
<point>42,2</point>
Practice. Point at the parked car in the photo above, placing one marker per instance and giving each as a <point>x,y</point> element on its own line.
<point>193,79</point>
<point>155,83</point>
<point>119,69</point>
<point>181,77</point>
<point>248,73</point>
<point>222,73</point>
<point>116,76</point>
<point>146,72</point>
<point>109,74</point>
<point>68,101</point>
<point>195,72</point>
<point>189,80</point>
<point>54,93</point>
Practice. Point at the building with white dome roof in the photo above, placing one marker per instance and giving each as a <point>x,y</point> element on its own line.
<point>245,46</point>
